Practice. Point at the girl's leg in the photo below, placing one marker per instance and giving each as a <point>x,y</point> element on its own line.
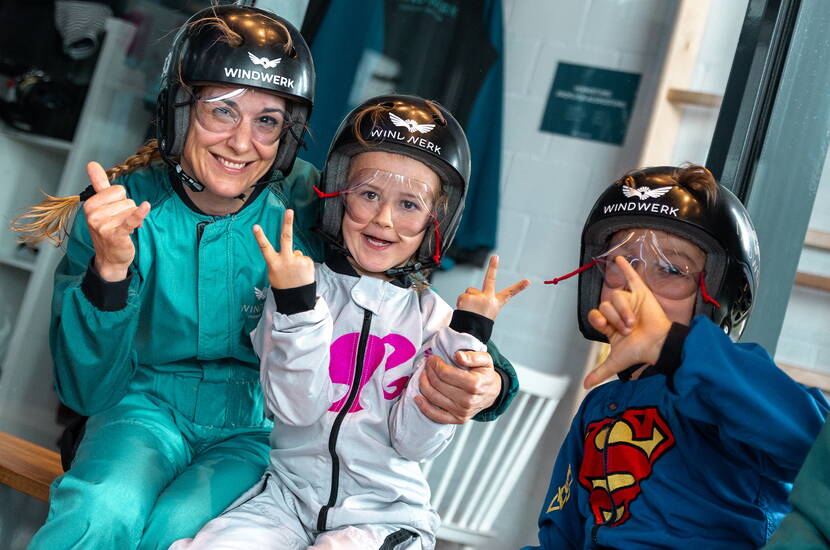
<point>128,455</point>
<point>371,537</point>
<point>213,480</point>
<point>265,522</point>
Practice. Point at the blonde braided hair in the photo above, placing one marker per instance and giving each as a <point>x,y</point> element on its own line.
<point>49,220</point>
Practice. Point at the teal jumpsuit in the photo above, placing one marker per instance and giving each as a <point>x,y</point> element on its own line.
<point>163,365</point>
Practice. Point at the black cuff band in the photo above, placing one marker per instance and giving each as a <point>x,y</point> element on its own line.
<point>105,295</point>
<point>671,353</point>
<point>473,324</point>
<point>505,389</point>
<point>297,299</point>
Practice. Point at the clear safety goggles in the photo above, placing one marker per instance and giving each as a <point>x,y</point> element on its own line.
<point>668,271</point>
<point>222,114</point>
<point>406,203</point>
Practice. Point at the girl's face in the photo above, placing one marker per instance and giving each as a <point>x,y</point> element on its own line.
<point>374,241</point>
<point>666,257</point>
<point>228,148</point>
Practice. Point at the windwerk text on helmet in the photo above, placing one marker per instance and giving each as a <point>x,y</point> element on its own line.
<point>257,75</point>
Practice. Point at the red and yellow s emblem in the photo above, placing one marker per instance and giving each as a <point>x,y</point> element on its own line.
<point>619,454</point>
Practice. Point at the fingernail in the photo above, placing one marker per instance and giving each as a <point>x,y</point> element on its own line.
<point>463,356</point>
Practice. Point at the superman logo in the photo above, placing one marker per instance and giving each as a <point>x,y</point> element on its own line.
<point>619,454</point>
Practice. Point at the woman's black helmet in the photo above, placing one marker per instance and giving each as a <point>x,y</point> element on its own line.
<point>270,54</point>
<point>411,126</point>
<point>652,198</point>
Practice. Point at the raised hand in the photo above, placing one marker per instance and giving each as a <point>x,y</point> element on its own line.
<point>487,301</point>
<point>287,268</point>
<point>634,323</point>
<point>112,218</point>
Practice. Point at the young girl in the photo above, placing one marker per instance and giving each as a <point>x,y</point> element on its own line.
<point>343,343</point>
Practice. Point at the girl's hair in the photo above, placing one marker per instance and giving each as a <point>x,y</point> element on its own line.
<point>695,178</point>
<point>50,219</point>
<point>377,111</point>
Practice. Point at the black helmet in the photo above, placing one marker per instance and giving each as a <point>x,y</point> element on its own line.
<point>201,53</point>
<point>411,126</point>
<point>652,198</point>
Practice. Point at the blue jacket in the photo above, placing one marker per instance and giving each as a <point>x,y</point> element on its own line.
<point>702,457</point>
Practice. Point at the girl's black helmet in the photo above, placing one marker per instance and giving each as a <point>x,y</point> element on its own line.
<point>264,57</point>
<point>652,198</point>
<point>408,125</point>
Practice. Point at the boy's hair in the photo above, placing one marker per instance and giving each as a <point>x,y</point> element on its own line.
<point>697,179</point>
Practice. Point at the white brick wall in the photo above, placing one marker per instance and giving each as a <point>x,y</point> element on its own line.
<point>549,182</point>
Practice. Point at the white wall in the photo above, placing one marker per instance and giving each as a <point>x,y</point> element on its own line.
<point>549,182</point>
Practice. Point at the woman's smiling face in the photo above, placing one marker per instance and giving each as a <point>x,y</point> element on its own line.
<point>229,162</point>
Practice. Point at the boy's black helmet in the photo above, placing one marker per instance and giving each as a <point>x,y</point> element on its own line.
<point>408,125</point>
<point>201,53</point>
<point>721,228</point>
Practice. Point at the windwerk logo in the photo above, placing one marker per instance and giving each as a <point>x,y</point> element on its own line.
<point>410,124</point>
<point>260,293</point>
<point>264,61</point>
<point>644,192</point>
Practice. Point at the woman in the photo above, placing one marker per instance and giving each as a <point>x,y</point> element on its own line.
<point>162,282</point>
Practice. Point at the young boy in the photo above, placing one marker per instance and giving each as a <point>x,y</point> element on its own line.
<point>698,441</point>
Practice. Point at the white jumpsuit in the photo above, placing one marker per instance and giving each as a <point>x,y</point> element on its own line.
<point>344,467</point>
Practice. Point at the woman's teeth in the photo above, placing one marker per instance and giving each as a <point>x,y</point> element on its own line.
<point>234,165</point>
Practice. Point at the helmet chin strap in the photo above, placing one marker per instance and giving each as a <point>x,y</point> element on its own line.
<point>194,185</point>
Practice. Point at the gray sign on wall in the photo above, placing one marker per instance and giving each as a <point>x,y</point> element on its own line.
<point>590,103</point>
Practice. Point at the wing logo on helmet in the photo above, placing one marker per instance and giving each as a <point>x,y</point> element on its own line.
<point>410,124</point>
<point>264,62</point>
<point>644,192</point>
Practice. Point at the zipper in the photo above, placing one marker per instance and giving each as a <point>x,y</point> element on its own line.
<point>200,229</point>
<point>338,421</point>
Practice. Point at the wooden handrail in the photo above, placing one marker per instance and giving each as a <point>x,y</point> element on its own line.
<point>817,239</point>
<point>808,377</point>
<point>811,280</point>
<point>689,97</point>
<point>27,467</point>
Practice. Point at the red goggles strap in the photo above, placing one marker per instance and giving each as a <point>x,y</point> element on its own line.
<point>572,273</point>
<point>325,195</point>
<point>705,293</point>
<point>437,256</point>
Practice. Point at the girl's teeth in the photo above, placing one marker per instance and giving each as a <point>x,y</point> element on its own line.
<point>376,242</point>
<point>229,164</point>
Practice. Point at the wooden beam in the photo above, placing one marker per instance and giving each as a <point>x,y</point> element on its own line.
<point>27,467</point>
<point>688,97</point>
<point>808,377</point>
<point>817,239</point>
<point>811,280</point>
<point>676,72</point>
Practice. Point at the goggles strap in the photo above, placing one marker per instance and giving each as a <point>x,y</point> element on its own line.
<point>572,273</point>
<point>437,256</point>
<point>323,195</point>
<point>706,297</point>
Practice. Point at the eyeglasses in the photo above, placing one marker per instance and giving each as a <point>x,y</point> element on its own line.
<point>670,273</point>
<point>221,115</point>
<point>369,193</point>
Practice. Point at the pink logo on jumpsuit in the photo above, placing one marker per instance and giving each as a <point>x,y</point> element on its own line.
<point>343,355</point>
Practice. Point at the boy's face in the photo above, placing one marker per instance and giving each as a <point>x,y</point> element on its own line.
<point>388,213</point>
<point>669,265</point>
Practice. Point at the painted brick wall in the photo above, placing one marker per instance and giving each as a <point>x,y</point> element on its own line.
<point>549,182</point>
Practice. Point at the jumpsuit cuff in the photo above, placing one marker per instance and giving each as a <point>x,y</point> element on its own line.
<point>505,390</point>
<point>105,295</point>
<point>295,300</point>
<point>475,325</point>
<point>671,354</point>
